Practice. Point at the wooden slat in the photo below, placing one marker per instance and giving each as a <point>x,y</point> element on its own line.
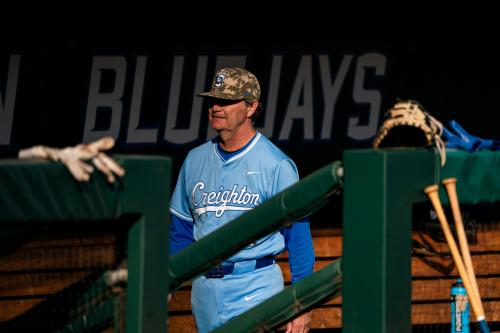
<point>183,323</point>
<point>328,243</point>
<point>10,309</point>
<point>326,232</point>
<point>488,239</point>
<point>328,246</point>
<point>285,268</point>
<point>485,264</point>
<point>436,266</point>
<point>181,301</point>
<point>432,266</point>
<point>37,283</point>
<point>439,289</point>
<point>58,258</point>
<point>331,246</point>
<point>324,247</point>
<point>71,239</point>
<point>439,313</point>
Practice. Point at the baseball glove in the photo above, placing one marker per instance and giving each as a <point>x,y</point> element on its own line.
<point>407,124</point>
<point>74,158</point>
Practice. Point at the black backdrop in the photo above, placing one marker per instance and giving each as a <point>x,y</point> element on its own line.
<point>448,63</point>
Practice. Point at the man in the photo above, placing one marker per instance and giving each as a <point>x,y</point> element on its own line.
<point>222,179</point>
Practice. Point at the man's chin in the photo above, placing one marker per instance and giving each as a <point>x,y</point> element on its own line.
<point>217,126</point>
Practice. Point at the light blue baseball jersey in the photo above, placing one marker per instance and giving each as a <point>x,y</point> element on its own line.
<point>212,191</point>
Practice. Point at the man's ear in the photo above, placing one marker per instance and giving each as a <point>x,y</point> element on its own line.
<point>252,108</point>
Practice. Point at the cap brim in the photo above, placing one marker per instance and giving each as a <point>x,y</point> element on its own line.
<point>219,95</point>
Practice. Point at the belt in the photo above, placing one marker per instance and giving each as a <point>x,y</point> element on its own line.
<point>218,272</point>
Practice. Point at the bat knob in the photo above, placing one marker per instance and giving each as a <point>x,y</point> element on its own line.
<point>431,189</point>
<point>449,181</point>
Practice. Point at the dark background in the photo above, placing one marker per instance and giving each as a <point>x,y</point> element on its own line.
<point>448,62</point>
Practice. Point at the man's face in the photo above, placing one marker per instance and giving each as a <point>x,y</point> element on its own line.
<point>228,115</point>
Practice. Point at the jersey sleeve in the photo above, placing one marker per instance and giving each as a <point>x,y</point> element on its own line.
<point>285,175</point>
<point>181,234</point>
<point>298,240</point>
<point>179,203</point>
<point>298,243</point>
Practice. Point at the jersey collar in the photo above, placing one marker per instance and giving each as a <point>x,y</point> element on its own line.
<point>238,153</point>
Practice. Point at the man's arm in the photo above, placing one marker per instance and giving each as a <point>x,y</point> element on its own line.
<point>181,234</point>
<point>182,222</point>
<point>298,242</point>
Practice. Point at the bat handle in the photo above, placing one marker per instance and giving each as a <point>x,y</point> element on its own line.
<point>451,189</point>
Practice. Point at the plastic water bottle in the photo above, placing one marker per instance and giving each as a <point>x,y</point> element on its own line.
<point>460,308</point>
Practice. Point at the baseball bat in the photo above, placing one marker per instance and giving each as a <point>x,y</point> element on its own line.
<point>451,190</point>
<point>432,193</point>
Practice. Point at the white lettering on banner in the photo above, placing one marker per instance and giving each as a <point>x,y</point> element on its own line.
<point>221,201</point>
<point>302,87</point>
<point>180,136</point>
<point>7,103</point>
<point>98,99</point>
<point>371,97</point>
<point>331,92</point>
<point>135,134</point>
<point>299,102</point>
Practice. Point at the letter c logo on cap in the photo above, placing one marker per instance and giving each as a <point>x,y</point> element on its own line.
<point>219,80</point>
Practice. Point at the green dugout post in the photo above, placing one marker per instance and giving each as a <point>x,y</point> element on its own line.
<point>147,190</point>
<point>380,188</point>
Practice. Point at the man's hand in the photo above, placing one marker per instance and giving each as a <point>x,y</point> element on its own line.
<point>301,324</point>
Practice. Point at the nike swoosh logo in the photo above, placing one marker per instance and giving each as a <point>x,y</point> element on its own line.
<point>252,172</point>
<point>247,298</point>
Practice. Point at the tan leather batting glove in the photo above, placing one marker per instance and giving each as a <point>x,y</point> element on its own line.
<point>73,158</point>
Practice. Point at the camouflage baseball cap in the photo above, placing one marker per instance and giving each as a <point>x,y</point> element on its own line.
<point>234,84</point>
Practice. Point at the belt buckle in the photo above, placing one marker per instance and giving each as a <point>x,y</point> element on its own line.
<point>216,272</point>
